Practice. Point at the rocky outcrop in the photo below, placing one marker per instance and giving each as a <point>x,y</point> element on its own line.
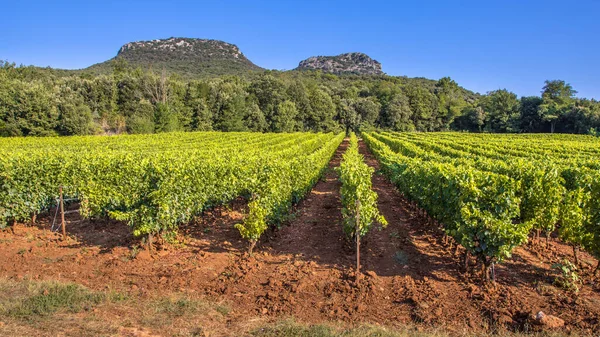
<point>354,63</point>
<point>188,57</point>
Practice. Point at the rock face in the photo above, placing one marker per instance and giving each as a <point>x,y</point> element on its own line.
<point>354,63</point>
<point>186,56</point>
<point>182,48</point>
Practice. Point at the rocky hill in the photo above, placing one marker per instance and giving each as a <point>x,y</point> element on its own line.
<point>353,63</point>
<point>186,56</point>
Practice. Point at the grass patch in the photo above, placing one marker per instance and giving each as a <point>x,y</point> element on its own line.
<point>290,328</point>
<point>178,307</point>
<point>28,300</point>
<point>182,306</point>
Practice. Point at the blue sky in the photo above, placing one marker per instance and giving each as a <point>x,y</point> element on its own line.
<point>483,45</point>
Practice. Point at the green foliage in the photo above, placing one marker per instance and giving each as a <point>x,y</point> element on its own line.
<point>36,102</point>
<point>476,208</point>
<point>568,277</point>
<point>143,181</point>
<point>284,119</point>
<point>531,116</point>
<point>283,181</point>
<point>189,58</point>
<point>502,111</point>
<point>557,96</point>
<point>554,181</point>
<point>50,298</point>
<point>164,119</point>
<point>358,199</point>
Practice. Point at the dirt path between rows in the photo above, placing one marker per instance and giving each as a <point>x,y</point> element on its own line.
<point>305,269</point>
<point>315,233</point>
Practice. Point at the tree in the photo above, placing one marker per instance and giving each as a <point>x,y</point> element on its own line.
<point>269,92</point>
<point>201,115</point>
<point>368,109</point>
<point>298,94</point>
<point>284,119</point>
<point>254,119</point>
<point>323,110</point>
<point>347,115</point>
<point>141,120</point>
<point>472,119</point>
<point>227,101</point>
<point>423,104</point>
<point>196,99</point>
<point>582,115</point>
<point>531,118</point>
<point>164,119</point>
<point>557,97</point>
<point>28,108</point>
<point>74,117</point>
<point>450,102</point>
<point>502,109</point>
<point>396,115</point>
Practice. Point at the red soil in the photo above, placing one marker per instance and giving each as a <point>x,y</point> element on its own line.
<point>305,269</point>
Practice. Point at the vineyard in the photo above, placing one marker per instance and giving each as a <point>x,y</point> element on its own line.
<point>490,192</point>
<point>469,232</point>
<point>157,182</point>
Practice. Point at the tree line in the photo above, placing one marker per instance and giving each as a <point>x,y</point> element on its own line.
<point>45,102</point>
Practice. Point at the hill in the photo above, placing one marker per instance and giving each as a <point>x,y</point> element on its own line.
<point>352,63</point>
<point>188,57</point>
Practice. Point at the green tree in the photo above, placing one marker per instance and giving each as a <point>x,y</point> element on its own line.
<point>347,115</point>
<point>269,93</point>
<point>284,119</point>
<point>531,118</point>
<point>502,109</point>
<point>164,119</point>
<point>368,109</point>
<point>397,115</point>
<point>141,120</point>
<point>323,110</point>
<point>423,104</point>
<point>227,100</point>
<point>298,94</point>
<point>74,117</point>
<point>557,98</point>
<point>472,119</point>
<point>450,102</point>
<point>254,119</point>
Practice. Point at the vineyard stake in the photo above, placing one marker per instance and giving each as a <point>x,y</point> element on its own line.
<point>357,240</point>
<point>62,214</point>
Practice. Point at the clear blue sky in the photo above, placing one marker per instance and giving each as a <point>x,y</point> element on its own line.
<point>483,45</point>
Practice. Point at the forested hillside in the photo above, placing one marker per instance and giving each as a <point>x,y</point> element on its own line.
<point>126,99</point>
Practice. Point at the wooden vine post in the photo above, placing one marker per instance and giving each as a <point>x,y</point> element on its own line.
<point>62,214</point>
<point>357,233</point>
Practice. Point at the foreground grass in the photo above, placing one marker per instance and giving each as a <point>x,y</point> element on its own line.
<point>29,308</point>
<point>290,328</point>
<point>36,300</point>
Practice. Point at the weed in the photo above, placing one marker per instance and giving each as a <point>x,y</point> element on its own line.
<point>568,277</point>
<point>50,298</point>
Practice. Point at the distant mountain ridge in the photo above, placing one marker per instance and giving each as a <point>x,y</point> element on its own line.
<point>188,57</point>
<point>352,63</point>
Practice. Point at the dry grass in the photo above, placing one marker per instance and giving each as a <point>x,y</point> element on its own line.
<point>29,308</point>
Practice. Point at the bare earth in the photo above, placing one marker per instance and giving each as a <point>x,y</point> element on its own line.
<point>305,269</point>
